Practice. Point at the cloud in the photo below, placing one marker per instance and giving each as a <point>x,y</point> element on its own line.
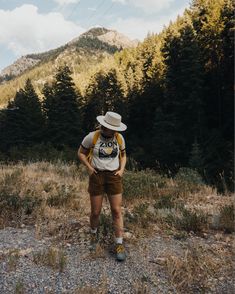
<point>138,28</point>
<point>24,30</point>
<point>121,1</point>
<point>149,6</point>
<point>66,2</point>
<point>92,8</point>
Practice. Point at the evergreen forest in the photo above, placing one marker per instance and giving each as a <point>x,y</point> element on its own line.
<point>174,92</point>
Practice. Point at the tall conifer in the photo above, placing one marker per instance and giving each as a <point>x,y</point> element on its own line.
<point>61,106</point>
<point>24,123</point>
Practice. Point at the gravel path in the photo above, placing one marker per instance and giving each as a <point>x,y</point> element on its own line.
<point>142,272</point>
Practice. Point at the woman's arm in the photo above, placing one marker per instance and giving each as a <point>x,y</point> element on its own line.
<point>82,155</point>
<point>122,164</point>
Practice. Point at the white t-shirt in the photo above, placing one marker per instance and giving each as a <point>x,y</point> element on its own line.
<point>105,153</point>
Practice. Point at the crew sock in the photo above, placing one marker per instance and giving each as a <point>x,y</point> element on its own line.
<point>119,240</point>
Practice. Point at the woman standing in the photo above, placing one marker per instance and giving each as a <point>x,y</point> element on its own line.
<point>103,153</point>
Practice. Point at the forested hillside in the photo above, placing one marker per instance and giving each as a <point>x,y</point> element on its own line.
<point>80,54</point>
<point>174,91</point>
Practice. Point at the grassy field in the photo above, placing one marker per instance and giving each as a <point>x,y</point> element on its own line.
<point>54,199</point>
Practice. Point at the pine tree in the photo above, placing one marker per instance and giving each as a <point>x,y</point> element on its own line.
<point>144,100</point>
<point>104,93</point>
<point>196,160</point>
<point>3,134</point>
<point>214,24</point>
<point>180,117</point>
<point>24,123</point>
<point>61,107</point>
<point>227,70</point>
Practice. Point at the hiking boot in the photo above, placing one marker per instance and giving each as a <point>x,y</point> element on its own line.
<point>120,252</point>
<point>93,241</point>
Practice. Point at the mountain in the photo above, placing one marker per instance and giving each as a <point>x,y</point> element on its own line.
<point>19,66</point>
<point>96,39</point>
<point>81,54</point>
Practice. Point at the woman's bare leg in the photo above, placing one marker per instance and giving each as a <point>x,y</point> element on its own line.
<point>115,204</point>
<point>96,205</point>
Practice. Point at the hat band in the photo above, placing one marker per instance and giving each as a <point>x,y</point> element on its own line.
<point>112,124</point>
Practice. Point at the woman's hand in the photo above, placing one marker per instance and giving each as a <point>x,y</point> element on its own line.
<point>119,172</point>
<point>91,170</point>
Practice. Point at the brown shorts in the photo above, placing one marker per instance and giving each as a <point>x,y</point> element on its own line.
<point>105,182</point>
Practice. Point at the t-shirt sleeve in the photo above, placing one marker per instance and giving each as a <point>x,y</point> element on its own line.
<point>87,141</point>
<point>123,145</point>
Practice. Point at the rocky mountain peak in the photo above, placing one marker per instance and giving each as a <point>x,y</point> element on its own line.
<point>109,38</point>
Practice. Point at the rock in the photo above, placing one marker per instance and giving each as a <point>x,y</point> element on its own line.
<point>128,235</point>
<point>151,209</point>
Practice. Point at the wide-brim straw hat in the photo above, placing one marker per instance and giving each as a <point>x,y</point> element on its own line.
<point>112,120</point>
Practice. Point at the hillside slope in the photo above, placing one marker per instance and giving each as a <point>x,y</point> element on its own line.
<point>81,53</point>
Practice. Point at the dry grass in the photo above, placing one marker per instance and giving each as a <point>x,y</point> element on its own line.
<point>53,198</point>
<point>227,218</point>
<point>90,290</point>
<point>19,287</point>
<point>41,192</point>
<point>141,287</point>
<point>52,257</point>
<point>98,253</point>
<point>12,259</point>
<point>87,289</point>
<point>193,271</point>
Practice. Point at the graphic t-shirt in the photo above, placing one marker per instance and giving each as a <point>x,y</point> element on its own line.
<point>105,153</point>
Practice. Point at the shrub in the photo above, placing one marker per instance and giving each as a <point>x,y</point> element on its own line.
<point>140,215</point>
<point>62,196</point>
<point>227,218</point>
<point>165,201</point>
<point>191,221</point>
<point>11,179</point>
<point>189,175</point>
<point>188,180</point>
<point>14,203</point>
<point>141,184</point>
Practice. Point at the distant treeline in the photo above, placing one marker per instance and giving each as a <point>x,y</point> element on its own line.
<point>174,91</point>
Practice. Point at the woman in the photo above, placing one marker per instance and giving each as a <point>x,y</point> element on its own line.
<point>103,153</point>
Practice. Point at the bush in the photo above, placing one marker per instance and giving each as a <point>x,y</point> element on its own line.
<point>191,221</point>
<point>227,218</point>
<point>63,195</point>
<point>11,179</point>
<point>140,215</point>
<point>14,203</point>
<point>189,175</point>
<point>141,184</point>
<point>188,180</point>
<point>165,201</point>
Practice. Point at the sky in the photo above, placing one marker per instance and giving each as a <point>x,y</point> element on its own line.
<point>33,26</point>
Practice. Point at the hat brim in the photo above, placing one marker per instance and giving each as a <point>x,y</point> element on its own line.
<point>122,126</point>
